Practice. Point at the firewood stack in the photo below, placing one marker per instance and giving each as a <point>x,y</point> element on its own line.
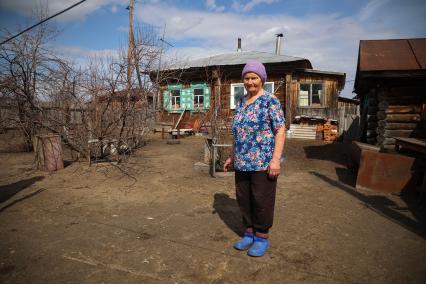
<point>330,131</point>
<point>398,116</point>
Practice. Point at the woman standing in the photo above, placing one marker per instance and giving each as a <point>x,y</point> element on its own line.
<point>259,135</point>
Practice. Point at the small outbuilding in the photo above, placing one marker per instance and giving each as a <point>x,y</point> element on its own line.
<point>391,86</point>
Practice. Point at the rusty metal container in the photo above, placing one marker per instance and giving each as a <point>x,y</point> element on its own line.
<point>386,172</point>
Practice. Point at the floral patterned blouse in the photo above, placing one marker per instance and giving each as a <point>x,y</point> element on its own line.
<point>254,128</point>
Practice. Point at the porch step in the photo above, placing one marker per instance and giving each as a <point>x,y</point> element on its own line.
<point>303,131</point>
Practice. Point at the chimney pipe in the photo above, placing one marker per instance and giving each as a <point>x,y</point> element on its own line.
<point>239,45</point>
<point>278,44</point>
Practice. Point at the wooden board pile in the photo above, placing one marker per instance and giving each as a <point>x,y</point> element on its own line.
<point>330,131</point>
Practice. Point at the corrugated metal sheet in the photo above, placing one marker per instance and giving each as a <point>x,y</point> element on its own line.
<point>392,55</point>
<point>235,58</point>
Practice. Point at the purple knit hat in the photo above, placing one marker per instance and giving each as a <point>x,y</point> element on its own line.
<point>255,67</point>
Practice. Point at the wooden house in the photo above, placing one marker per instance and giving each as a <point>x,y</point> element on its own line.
<point>201,87</point>
<point>391,86</point>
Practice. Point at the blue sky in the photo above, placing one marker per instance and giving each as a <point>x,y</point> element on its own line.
<point>327,32</point>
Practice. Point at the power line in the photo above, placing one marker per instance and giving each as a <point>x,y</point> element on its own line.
<point>41,22</point>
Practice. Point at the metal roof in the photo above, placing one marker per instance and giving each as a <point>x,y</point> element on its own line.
<point>314,71</point>
<point>235,58</point>
<point>392,55</point>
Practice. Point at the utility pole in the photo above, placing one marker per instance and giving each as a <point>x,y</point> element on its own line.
<point>157,95</point>
<point>126,106</point>
<point>130,48</point>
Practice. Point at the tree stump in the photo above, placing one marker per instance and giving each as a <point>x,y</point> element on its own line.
<point>48,152</point>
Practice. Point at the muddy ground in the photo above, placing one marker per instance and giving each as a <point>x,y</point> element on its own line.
<point>157,220</point>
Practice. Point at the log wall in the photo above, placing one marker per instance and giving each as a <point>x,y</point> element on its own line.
<point>400,113</point>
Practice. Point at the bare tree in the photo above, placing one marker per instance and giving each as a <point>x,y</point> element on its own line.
<point>101,102</point>
<point>26,64</point>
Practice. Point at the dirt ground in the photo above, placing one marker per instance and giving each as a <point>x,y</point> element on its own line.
<point>158,220</point>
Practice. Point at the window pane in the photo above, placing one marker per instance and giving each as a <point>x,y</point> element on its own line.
<point>238,93</point>
<point>305,87</point>
<point>268,87</point>
<point>175,93</point>
<point>198,92</point>
<point>316,93</point>
<point>304,94</point>
<point>316,88</point>
<point>303,98</point>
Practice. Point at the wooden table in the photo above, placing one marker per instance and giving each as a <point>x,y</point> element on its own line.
<point>415,144</point>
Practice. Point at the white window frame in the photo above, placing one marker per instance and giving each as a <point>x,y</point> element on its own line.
<point>195,98</point>
<point>321,95</point>
<point>272,88</point>
<point>232,98</point>
<point>173,100</point>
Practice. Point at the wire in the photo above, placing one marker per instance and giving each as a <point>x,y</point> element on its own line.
<point>41,22</point>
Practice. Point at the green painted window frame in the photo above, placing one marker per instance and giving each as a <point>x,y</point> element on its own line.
<point>186,97</point>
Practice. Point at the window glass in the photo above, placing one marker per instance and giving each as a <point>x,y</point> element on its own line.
<point>310,94</point>
<point>175,99</point>
<point>198,98</point>
<point>238,91</point>
<point>316,94</point>
<point>269,87</point>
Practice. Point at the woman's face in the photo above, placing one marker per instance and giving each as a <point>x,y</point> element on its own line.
<point>252,83</point>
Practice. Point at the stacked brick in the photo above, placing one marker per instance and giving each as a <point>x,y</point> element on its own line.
<point>330,132</point>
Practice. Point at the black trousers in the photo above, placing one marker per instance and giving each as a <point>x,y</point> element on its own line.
<point>255,193</point>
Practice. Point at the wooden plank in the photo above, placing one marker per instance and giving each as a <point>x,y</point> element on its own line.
<point>398,125</point>
<point>381,115</point>
<point>403,133</point>
<point>403,109</point>
<point>385,140</point>
<point>411,143</point>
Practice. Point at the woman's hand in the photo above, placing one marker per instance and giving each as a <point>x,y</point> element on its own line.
<point>228,162</point>
<point>274,168</point>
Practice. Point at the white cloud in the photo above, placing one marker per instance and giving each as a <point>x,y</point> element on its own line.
<point>371,8</point>
<point>329,41</point>
<point>82,56</point>
<point>239,7</point>
<point>211,4</point>
<point>79,12</point>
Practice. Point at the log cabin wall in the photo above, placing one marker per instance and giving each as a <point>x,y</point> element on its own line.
<point>285,84</point>
<point>226,112</point>
<point>188,118</point>
<point>391,84</point>
<point>400,112</point>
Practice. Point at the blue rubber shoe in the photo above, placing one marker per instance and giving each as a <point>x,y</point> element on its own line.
<point>245,242</point>
<point>259,247</point>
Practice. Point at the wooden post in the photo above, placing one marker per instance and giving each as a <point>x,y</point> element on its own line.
<point>162,133</point>
<point>288,102</point>
<point>178,133</point>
